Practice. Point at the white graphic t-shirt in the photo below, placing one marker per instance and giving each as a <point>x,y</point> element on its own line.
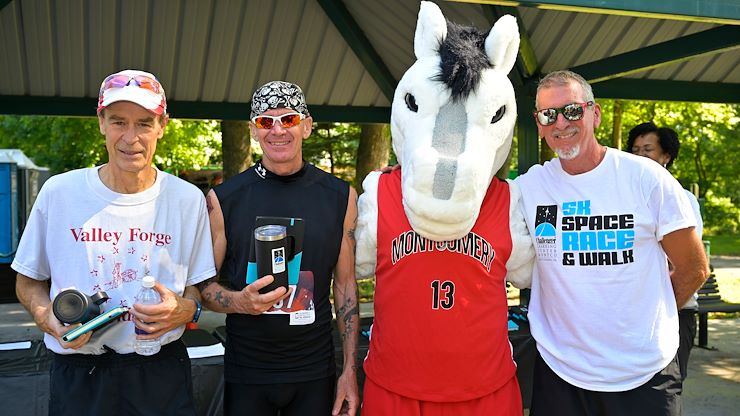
<point>83,235</point>
<point>602,308</point>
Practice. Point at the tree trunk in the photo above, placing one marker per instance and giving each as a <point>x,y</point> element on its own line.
<point>617,125</point>
<point>235,147</point>
<point>373,151</point>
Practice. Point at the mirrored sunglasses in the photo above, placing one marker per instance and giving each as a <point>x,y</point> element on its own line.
<point>572,112</point>
<point>141,81</point>
<point>286,120</point>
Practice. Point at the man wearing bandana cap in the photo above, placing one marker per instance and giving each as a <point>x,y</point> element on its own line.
<point>279,352</point>
<point>104,229</point>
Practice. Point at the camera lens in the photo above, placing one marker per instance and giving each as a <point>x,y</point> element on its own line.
<point>70,306</point>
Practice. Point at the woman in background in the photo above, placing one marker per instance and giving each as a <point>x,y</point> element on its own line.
<point>661,145</point>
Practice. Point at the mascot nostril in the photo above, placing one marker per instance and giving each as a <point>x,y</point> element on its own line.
<point>442,234</point>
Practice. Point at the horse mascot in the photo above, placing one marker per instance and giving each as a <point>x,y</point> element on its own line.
<point>441,234</point>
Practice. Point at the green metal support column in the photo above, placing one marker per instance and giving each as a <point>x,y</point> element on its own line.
<point>528,141</point>
<point>360,45</point>
<point>528,144</point>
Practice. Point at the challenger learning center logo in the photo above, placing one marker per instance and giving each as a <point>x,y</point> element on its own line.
<point>544,229</point>
<point>586,239</point>
<point>278,260</point>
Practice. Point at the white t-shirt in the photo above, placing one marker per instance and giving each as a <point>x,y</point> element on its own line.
<point>697,213</point>
<point>602,308</point>
<point>693,302</point>
<point>82,235</point>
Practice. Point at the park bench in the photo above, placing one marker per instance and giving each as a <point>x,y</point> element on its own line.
<point>710,300</point>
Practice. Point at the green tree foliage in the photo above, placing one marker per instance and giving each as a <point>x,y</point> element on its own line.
<point>710,143</point>
<point>66,143</point>
<point>333,147</point>
<point>189,145</point>
<point>59,143</point>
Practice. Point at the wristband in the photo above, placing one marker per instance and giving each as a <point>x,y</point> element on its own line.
<point>198,309</point>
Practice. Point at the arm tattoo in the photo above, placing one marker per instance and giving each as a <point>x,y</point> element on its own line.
<point>219,297</point>
<point>346,313</point>
<point>352,228</point>
<point>349,329</point>
<point>216,294</point>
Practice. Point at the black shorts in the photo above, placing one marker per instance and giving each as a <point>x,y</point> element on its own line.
<point>122,384</point>
<point>291,399</point>
<point>552,396</point>
<point>687,333</point>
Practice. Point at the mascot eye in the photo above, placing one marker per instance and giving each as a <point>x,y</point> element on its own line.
<point>499,114</point>
<point>411,103</point>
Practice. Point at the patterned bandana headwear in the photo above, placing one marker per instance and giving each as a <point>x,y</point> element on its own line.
<point>278,94</point>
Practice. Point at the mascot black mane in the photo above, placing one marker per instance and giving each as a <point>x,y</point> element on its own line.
<point>462,60</point>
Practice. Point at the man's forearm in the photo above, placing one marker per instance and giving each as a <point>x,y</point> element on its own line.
<point>690,267</point>
<point>34,296</point>
<point>215,297</point>
<point>348,321</point>
<point>686,283</point>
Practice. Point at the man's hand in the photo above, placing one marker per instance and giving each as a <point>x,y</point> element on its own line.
<point>347,400</point>
<point>49,323</point>
<point>156,320</point>
<point>250,301</point>
<point>389,169</point>
<point>246,301</point>
<point>34,296</point>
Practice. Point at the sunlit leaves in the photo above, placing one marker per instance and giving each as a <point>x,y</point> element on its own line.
<point>66,143</point>
<point>710,142</point>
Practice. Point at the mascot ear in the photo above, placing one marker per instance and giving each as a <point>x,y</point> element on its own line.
<point>502,43</point>
<point>431,30</point>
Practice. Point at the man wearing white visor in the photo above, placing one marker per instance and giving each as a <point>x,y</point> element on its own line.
<point>103,229</point>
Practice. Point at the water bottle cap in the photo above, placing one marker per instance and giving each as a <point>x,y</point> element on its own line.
<point>148,281</point>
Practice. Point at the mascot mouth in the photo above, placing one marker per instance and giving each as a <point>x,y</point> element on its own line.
<point>439,202</point>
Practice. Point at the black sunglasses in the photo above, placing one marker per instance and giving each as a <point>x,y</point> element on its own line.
<point>572,112</point>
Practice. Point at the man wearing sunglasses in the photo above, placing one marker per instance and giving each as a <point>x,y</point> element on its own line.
<point>104,229</point>
<point>603,305</point>
<point>279,356</point>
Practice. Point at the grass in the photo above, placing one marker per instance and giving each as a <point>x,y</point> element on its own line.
<point>724,245</point>
<point>728,281</point>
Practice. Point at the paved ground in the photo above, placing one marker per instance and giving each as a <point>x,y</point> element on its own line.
<point>712,387</point>
<point>713,384</point>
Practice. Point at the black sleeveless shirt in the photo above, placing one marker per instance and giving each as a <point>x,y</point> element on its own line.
<point>265,349</point>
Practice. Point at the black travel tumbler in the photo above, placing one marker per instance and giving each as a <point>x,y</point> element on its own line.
<point>272,251</point>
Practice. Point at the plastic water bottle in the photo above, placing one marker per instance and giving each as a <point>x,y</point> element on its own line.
<point>147,296</point>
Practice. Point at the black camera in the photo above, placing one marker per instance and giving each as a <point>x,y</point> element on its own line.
<point>72,306</point>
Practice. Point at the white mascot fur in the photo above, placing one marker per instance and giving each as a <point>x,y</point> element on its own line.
<point>452,123</point>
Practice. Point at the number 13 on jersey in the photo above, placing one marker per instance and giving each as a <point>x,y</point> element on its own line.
<point>443,294</point>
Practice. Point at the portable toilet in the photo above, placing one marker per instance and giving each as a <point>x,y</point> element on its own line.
<point>9,227</point>
<point>20,182</point>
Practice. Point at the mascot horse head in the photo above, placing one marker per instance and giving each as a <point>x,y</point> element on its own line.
<point>452,120</point>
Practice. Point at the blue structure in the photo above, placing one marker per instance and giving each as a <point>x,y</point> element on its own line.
<point>20,181</point>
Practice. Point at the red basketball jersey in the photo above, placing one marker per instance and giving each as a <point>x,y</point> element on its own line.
<point>440,329</point>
